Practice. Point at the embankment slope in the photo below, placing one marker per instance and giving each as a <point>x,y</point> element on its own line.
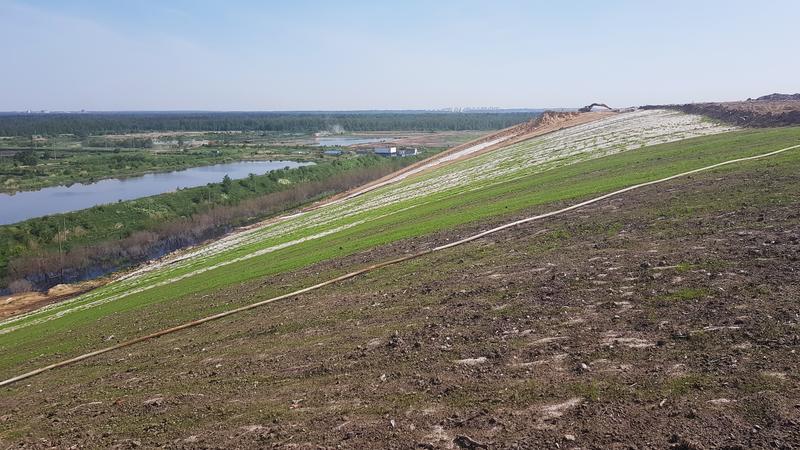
<point>671,307</point>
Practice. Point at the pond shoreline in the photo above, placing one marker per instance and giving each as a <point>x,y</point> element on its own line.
<point>296,158</point>
<point>25,205</point>
<point>46,251</point>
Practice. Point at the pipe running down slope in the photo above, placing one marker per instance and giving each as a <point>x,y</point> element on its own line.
<point>370,268</point>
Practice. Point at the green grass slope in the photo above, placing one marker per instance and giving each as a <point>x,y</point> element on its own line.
<point>195,296</point>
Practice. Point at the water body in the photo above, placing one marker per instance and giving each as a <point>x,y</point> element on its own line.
<point>344,141</point>
<point>59,199</point>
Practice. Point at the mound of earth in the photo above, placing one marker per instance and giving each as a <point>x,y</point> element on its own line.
<point>22,302</point>
<point>763,112</point>
<point>779,97</point>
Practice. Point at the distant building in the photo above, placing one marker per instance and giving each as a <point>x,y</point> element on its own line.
<point>385,151</point>
<point>392,152</point>
<point>407,151</point>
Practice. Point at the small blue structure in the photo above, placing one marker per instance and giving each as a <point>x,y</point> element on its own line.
<point>385,151</point>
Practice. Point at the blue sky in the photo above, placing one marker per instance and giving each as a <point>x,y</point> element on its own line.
<point>301,55</point>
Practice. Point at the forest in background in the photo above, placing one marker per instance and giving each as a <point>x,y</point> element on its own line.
<point>93,123</point>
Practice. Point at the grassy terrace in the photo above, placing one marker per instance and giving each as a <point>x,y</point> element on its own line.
<point>179,299</point>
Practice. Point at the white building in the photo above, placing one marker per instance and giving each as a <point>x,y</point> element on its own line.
<point>407,151</point>
<point>385,151</point>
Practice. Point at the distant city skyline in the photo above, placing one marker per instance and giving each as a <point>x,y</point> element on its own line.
<point>336,56</point>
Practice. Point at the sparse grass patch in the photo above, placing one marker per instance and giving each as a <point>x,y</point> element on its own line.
<point>681,295</point>
<point>525,392</point>
<point>590,390</point>
<point>686,384</point>
<point>689,294</point>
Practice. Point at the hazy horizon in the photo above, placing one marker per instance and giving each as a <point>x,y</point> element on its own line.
<point>316,56</point>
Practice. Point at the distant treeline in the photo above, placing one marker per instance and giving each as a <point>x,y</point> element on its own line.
<point>85,124</point>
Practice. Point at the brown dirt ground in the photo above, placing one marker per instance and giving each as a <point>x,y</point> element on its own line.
<point>11,305</point>
<point>665,318</point>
